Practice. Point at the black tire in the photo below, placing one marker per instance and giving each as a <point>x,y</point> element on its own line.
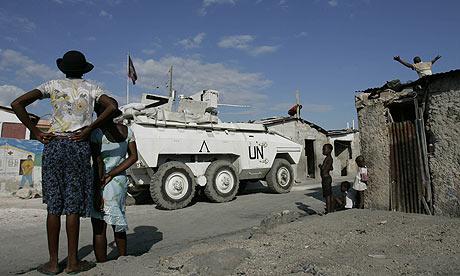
<point>280,178</point>
<point>141,197</point>
<point>216,191</point>
<point>242,186</point>
<point>164,194</point>
<point>140,193</point>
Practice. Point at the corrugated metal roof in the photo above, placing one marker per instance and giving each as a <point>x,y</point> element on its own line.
<point>421,81</point>
<point>333,132</point>
<point>282,120</point>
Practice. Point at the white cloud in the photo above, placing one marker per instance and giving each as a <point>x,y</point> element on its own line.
<point>260,50</point>
<point>13,22</point>
<point>192,75</point>
<point>9,93</point>
<point>333,3</point>
<point>301,34</point>
<point>283,4</point>
<point>24,67</point>
<point>236,41</point>
<point>10,39</point>
<point>245,43</point>
<point>149,51</point>
<point>192,42</point>
<point>91,38</point>
<point>105,14</point>
<point>208,3</point>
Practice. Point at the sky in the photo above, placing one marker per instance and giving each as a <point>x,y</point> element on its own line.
<point>254,52</point>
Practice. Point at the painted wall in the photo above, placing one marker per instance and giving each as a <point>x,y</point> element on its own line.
<point>12,153</point>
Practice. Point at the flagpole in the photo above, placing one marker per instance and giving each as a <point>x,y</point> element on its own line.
<point>127,78</point>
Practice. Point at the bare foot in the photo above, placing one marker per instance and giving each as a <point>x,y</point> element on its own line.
<point>49,269</point>
<point>80,267</point>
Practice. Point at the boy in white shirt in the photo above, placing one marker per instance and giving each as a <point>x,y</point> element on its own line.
<point>347,198</point>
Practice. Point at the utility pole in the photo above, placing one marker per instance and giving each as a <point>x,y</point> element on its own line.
<point>297,98</point>
<point>127,79</point>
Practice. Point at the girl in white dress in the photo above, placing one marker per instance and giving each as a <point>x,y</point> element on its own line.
<point>114,150</point>
<point>360,184</point>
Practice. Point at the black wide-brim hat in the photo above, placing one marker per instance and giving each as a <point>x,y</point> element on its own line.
<point>74,62</point>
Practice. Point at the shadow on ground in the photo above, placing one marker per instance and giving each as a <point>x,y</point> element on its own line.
<point>139,242</point>
<point>307,209</point>
<point>317,193</point>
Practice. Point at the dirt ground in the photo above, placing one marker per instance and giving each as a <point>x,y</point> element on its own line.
<point>355,242</point>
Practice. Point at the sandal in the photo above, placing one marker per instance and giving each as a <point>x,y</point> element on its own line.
<point>83,266</point>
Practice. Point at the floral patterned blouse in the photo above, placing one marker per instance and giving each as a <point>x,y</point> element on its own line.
<point>73,103</point>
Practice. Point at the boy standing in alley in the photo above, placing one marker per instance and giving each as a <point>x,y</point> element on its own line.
<point>326,178</point>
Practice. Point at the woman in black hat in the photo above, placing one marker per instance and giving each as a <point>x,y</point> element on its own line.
<point>66,168</point>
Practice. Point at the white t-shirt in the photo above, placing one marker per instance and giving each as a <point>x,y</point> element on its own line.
<point>350,198</point>
<point>359,184</point>
<point>423,68</point>
<point>73,103</point>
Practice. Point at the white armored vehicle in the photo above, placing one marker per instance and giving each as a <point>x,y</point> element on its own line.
<point>190,147</point>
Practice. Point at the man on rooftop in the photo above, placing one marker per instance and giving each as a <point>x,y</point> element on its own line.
<point>422,68</point>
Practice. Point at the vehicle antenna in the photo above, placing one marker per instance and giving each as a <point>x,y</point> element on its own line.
<point>171,81</point>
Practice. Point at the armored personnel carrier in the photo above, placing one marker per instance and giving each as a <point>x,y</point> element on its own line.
<point>183,146</point>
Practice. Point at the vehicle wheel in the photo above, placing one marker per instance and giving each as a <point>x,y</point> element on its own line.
<point>172,186</point>
<point>242,186</point>
<point>222,181</point>
<point>140,196</point>
<point>140,193</point>
<point>280,177</point>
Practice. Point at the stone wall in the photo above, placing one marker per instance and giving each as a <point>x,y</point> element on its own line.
<point>298,132</point>
<point>375,148</point>
<point>350,163</point>
<point>443,124</point>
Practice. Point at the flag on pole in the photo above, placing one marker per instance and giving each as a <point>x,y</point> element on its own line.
<point>131,71</point>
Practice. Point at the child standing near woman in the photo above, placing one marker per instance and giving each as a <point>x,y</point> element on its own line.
<point>360,184</point>
<point>114,151</point>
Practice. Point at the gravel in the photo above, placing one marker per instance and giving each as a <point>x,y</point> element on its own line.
<point>354,242</point>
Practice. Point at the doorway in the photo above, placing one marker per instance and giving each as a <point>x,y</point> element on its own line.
<point>342,151</point>
<point>310,154</point>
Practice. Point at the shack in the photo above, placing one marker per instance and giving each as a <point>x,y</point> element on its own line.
<point>313,137</point>
<point>410,138</point>
<point>346,149</point>
<point>305,133</point>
